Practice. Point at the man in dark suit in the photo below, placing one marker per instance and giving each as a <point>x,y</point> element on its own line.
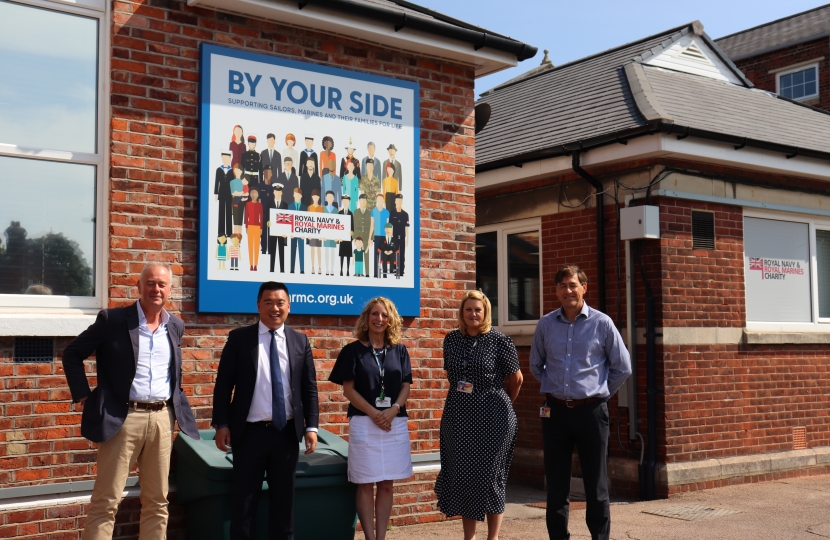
<point>388,250</point>
<point>132,411</point>
<point>268,369</point>
<point>289,180</point>
<point>276,244</point>
<point>270,157</point>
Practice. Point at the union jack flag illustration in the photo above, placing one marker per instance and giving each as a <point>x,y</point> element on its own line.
<point>285,219</point>
<point>756,263</point>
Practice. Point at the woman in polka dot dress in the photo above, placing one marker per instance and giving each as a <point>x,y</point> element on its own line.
<point>478,429</point>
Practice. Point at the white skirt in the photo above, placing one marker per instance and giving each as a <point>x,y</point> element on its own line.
<point>376,455</point>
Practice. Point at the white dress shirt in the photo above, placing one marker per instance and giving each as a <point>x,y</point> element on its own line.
<point>152,371</point>
<point>261,402</point>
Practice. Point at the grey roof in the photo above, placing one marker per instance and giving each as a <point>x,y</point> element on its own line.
<point>771,36</point>
<point>611,96</point>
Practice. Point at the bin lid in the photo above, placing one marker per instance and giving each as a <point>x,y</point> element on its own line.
<point>209,462</point>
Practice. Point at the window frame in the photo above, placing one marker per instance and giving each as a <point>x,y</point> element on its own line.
<point>503,230</point>
<point>796,69</point>
<point>42,304</point>
<point>814,223</point>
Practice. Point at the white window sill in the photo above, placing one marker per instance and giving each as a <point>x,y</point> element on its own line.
<point>69,323</point>
<point>768,337</point>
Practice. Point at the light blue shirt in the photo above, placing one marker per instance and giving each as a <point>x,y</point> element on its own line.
<point>152,371</point>
<point>381,218</point>
<point>580,359</point>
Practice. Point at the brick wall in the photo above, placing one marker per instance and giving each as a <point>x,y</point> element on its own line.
<point>153,217</point>
<point>757,69</point>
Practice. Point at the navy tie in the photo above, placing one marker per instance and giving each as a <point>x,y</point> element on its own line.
<point>277,395</point>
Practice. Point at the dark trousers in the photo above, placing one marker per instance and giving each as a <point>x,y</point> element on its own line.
<point>298,244</point>
<point>401,241</point>
<point>276,244</point>
<point>378,242</point>
<point>265,237</point>
<point>263,449</point>
<point>585,427</point>
<point>225,218</point>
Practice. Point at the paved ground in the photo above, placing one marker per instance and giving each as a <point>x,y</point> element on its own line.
<point>791,509</point>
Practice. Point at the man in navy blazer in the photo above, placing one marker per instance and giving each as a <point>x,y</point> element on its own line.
<point>138,398</point>
<point>264,403</point>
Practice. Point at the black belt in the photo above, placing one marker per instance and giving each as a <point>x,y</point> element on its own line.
<point>268,423</point>
<point>571,403</point>
<point>143,406</point>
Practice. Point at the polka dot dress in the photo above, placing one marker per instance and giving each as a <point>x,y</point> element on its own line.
<point>478,430</point>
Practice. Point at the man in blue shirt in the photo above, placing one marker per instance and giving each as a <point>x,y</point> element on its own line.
<point>380,217</point>
<point>581,361</point>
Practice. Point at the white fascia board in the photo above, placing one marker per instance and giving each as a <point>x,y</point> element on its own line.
<point>486,60</point>
<point>638,148</point>
<point>44,325</point>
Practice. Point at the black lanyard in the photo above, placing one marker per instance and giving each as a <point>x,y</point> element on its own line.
<point>466,357</point>
<point>381,369</point>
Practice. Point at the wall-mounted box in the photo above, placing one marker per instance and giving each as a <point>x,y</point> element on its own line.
<point>638,222</point>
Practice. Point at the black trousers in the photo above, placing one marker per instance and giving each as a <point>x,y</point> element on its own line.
<point>263,448</point>
<point>401,241</point>
<point>276,244</point>
<point>585,427</point>
<point>225,218</point>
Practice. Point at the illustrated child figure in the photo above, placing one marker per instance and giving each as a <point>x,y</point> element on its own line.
<point>233,251</point>
<point>222,251</point>
<point>358,256</point>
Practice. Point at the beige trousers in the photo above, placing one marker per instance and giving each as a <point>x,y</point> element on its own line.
<point>145,438</point>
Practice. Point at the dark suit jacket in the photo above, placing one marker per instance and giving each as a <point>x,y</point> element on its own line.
<point>113,337</point>
<point>237,377</point>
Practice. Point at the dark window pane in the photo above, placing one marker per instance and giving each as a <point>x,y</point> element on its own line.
<point>810,89</point>
<point>48,94</point>
<point>48,243</point>
<point>823,272</point>
<point>798,91</point>
<point>786,81</point>
<point>810,75</point>
<point>487,277</point>
<point>523,276</point>
<point>798,77</point>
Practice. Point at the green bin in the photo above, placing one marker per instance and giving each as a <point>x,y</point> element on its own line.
<point>324,505</point>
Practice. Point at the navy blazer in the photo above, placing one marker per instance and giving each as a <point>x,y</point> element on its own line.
<point>237,376</point>
<point>113,337</point>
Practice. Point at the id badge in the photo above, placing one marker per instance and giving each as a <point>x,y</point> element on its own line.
<point>464,386</point>
<point>384,403</point>
<point>544,412</point>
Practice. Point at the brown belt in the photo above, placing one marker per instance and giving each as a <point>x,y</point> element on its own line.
<point>142,406</point>
<point>571,403</point>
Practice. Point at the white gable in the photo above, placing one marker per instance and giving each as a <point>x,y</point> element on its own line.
<point>691,54</point>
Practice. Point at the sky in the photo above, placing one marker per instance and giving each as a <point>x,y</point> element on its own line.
<point>573,30</point>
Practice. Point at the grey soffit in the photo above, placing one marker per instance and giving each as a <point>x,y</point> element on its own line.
<point>611,96</point>
<point>778,34</point>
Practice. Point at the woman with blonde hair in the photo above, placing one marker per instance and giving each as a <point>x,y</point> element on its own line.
<point>478,428</point>
<point>376,375</point>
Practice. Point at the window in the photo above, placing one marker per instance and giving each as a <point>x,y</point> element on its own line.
<point>508,271</point>
<point>799,84</point>
<point>786,271</point>
<point>53,132</point>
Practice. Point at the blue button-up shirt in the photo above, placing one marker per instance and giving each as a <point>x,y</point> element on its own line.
<point>580,359</point>
<point>152,369</point>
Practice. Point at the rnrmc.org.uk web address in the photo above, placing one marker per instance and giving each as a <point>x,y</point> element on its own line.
<point>330,299</point>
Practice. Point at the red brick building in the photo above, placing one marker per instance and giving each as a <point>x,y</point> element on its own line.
<point>790,56</point>
<point>113,132</point>
<point>721,299</point>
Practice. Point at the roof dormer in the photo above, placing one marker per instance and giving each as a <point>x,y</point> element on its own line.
<point>692,54</point>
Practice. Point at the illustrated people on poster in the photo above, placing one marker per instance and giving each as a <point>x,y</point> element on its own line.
<point>351,184</point>
<point>298,242</point>
<point>239,192</point>
<point>276,244</point>
<point>328,161</point>
<point>390,187</point>
<point>349,158</point>
<point>233,250</point>
<point>222,251</point>
<point>363,229</point>
<point>288,178</point>
<point>329,246</point>
<point>370,149</point>
<point>370,185</point>
<point>399,219</point>
<point>251,163</point>
<point>253,227</point>
<point>310,181</point>
<point>359,256</point>
<point>388,252</point>
<point>316,243</point>
<point>380,217</point>
<point>393,152</point>
<point>345,248</point>
<point>222,192</point>
<point>290,152</point>
<point>237,146</point>
<point>266,198</point>
<point>332,182</point>
<point>308,154</point>
<point>270,157</point>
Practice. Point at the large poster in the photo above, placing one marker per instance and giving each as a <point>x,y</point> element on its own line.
<point>308,175</point>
